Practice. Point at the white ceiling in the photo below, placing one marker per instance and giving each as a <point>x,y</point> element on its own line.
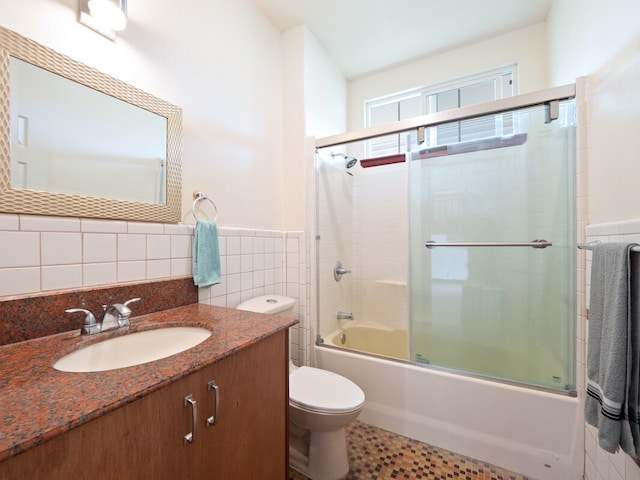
<point>367,35</point>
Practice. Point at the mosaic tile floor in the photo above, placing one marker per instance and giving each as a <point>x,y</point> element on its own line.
<point>378,454</point>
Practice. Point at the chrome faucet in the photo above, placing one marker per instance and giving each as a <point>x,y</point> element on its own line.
<point>115,316</point>
<point>345,316</point>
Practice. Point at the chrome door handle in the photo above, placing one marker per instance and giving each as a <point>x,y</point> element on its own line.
<point>211,421</point>
<point>191,436</point>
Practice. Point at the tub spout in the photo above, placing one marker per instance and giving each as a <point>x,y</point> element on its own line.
<point>345,316</point>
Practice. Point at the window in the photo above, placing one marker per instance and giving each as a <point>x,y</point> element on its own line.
<point>481,88</point>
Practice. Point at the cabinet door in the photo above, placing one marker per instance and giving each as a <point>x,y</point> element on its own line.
<point>250,437</point>
<point>143,439</point>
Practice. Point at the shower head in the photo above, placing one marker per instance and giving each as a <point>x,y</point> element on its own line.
<point>348,160</point>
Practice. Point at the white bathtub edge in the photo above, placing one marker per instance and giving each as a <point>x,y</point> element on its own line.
<point>534,433</point>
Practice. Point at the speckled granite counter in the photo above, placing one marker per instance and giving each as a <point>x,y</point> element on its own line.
<point>38,402</point>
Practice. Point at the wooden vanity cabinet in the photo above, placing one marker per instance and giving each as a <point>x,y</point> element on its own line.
<point>145,439</point>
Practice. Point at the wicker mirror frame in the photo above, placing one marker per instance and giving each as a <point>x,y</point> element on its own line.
<point>59,204</point>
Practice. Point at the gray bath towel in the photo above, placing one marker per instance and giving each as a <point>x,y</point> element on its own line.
<point>609,353</point>
<point>631,437</point>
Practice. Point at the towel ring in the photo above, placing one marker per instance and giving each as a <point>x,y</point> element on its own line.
<point>201,196</point>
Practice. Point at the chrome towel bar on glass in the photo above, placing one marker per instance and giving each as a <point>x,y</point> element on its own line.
<point>201,196</point>
<point>535,244</point>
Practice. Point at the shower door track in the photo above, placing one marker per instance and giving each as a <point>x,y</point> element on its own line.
<point>547,97</point>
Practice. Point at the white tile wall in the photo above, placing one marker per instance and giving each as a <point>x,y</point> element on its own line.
<point>244,269</point>
<point>262,262</point>
<point>601,465</point>
<point>380,269</point>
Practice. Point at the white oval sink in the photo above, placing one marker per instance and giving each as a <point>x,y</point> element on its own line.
<point>132,349</point>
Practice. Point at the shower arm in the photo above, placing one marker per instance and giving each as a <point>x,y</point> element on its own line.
<point>431,244</point>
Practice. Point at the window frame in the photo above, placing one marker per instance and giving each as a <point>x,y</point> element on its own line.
<point>426,93</point>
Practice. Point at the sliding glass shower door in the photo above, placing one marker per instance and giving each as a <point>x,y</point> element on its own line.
<point>488,297</point>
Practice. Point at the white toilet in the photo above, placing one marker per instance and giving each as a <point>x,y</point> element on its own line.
<point>321,405</point>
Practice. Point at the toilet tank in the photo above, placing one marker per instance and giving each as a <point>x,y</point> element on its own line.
<point>272,304</point>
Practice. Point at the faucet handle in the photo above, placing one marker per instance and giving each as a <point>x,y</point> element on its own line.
<point>131,301</point>
<point>124,312</point>
<point>90,325</point>
<point>339,270</point>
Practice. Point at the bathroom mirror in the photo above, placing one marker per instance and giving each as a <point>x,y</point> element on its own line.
<point>77,142</point>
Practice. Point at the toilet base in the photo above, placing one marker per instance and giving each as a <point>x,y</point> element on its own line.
<point>326,458</point>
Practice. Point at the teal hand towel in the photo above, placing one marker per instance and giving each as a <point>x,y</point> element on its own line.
<point>206,254</point>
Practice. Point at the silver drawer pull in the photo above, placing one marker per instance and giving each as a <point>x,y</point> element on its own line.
<point>211,421</point>
<point>191,436</point>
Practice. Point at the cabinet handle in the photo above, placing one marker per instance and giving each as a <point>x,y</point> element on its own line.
<point>211,421</point>
<point>191,436</point>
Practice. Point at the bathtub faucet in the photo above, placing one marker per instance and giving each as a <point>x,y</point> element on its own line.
<point>345,316</point>
<point>339,270</point>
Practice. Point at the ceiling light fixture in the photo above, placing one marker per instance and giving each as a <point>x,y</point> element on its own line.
<point>104,16</point>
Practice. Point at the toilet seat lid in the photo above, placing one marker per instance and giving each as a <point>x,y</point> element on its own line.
<point>324,391</point>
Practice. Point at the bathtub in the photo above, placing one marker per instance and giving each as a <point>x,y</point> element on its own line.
<point>374,339</point>
<point>533,432</point>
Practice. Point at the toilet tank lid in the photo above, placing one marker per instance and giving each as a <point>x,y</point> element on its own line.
<point>267,304</point>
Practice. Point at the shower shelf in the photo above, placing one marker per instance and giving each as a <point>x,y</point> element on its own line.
<point>395,283</point>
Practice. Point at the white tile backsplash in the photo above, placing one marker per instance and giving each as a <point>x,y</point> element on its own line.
<point>131,271</point>
<point>158,268</point>
<point>41,253</point>
<point>233,264</point>
<point>103,226</point>
<point>61,248</point>
<point>181,267</point>
<point>246,245</point>
<point>19,281</point>
<point>48,224</point>
<point>99,273</point>
<point>132,247</point>
<point>246,285</point>
<point>178,229</point>
<point>99,247</point>
<point>61,277</point>
<point>246,263</point>
<point>9,222</point>
<point>158,247</point>
<point>145,228</point>
<point>233,245</point>
<point>233,283</point>
<point>181,246</point>
<point>258,279</point>
<point>19,249</point>
<point>258,245</point>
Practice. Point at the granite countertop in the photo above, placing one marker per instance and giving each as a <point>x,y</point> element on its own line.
<point>38,402</point>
